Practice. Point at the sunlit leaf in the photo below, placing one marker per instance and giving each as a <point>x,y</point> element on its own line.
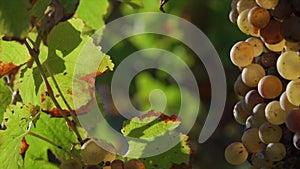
<point>92,12</point>
<point>162,129</point>
<point>17,117</point>
<point>54,129</point>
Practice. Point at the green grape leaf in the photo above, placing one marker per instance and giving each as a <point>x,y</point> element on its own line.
<point>5,98</point>
<point>69,5</point>
<point>92,12</point>
<point>18,119</point>
<point>54,129</point>
<point>106,64</point>
<point>60,59</point>
<point>12,51</point>
<point>39,8</point>
<point>135,4</point>
<point>14,18</point>
<point>161,129</point>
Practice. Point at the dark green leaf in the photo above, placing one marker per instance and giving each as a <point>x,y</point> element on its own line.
<point>5,98</point>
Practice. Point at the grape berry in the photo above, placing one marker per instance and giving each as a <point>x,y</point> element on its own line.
<point>269,84</point>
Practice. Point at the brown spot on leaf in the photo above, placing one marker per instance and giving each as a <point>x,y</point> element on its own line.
<point>69,91</point>
<point>162,117</point>
<point>54,112</point>
<point>24,147</point>
<point>6,68</point>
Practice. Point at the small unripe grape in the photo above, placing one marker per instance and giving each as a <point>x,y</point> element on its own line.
<point>275,151</point>
<point>134,164</point>
<point>236,153</point>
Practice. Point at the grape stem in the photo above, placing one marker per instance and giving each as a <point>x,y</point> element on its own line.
<point>34,52</point>
<point>73,114</point>
<point>48,141</point>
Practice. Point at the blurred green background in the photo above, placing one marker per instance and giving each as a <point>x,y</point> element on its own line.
<point>212,18</point>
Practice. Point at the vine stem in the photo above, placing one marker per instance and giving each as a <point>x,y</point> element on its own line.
<point>34,52</point>
<point>48,141</point>
<point>73,114</point>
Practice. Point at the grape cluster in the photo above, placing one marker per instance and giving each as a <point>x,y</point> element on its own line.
<point>269,83</point>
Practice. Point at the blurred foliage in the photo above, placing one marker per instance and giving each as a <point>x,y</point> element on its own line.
<point>212,18</point>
